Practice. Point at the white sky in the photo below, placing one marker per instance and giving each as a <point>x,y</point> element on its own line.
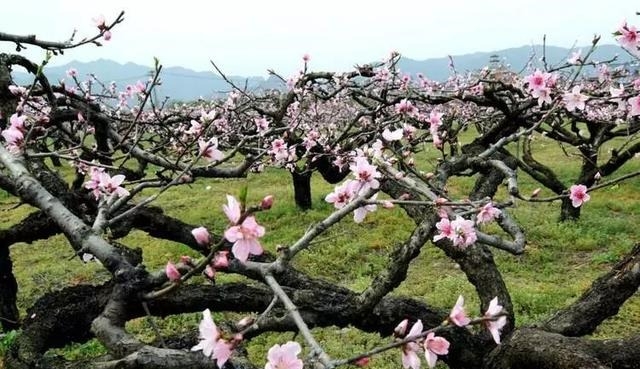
<point>247,37</point>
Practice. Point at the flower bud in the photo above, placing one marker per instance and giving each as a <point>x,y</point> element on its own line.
<point>244,322</point>
<point>201,235</point>
<point>267,202</point>
<point>362,362</point>
<point>404,196</point>
<point>186,260</point>
<point>221,260</point>
<point>172,272</point>
<point>210,272</point>
<point>401,329</point>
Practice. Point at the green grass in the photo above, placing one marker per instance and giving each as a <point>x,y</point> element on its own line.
<point>560,261</point>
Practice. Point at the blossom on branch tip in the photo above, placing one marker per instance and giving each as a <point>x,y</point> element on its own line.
<point>201,234</point>
<point>405,107</point>
<point>14,138</point>
<point>446,231</point>
<point>628,37</point>
<point>221,260</point>
<point>99,22</point>
<point>284,357</point>
<point>267,202</point>
<point>575,57</point>
<point>401,328</point>
<point>112,185</point>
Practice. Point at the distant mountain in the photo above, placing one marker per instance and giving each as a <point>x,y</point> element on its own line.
<point>184,84</point>
<point>515,58</point>
<point>180,84</point>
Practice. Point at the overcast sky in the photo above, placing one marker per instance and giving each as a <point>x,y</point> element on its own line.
<point>247,37</point>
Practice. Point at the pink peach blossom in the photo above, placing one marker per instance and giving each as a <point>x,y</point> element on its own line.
<point>410,357</point>
<point>232,209</point>
<point>211,344</point>
<point>284,357</point>
<point>245,238</point>
<point>574,99</point>
<point>488,213</point>
<point>495,326</point>
<point>365,173</point>
<point>446,231</point>
<point>434,346</point>
<point>112,185</point>
<point>634,105</point>
<point>209,149</point>
<point>578,195</point>
<point>458,315</point>
<point>628,37</point>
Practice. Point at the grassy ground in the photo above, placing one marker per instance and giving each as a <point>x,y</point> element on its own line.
<point>561,259</point>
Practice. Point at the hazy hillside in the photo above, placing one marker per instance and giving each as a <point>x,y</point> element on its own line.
<point>515,58</point>
<point>185,84</point>
<point>177,82</point>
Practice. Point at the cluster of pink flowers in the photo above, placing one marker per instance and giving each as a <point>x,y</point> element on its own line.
<point>14,134</point>
<point>406,107</point>
<point>433,346</point>
<point>101,183</point>
<point>262,124</point>
<point>100,22</point>
<point>280,151</point>
<point>461,232</point>
<point>366,177</point>
<point>539,85</point>
<point>435,121</point>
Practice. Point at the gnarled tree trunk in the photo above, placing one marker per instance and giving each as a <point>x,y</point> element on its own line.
<point>302,189</point>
